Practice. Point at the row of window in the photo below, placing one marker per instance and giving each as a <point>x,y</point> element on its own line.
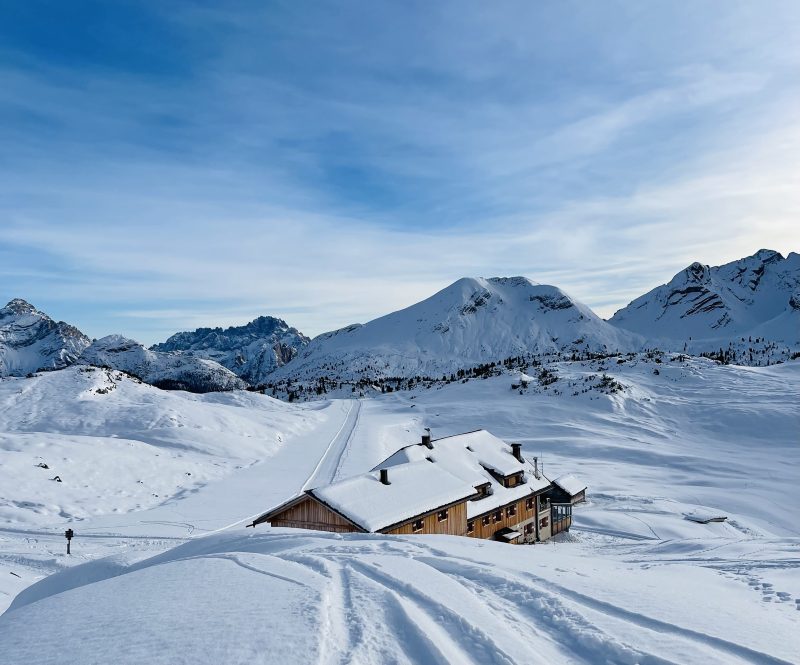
<point>496,516</point>
<point>417,525</point>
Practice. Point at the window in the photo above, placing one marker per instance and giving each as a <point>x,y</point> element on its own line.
<point>442,515</point>
<point>529,503</point>
<point>485,520</point>
<point>529,529</point>
<point>544,522</point>
<point>511,510</point>
<point>498,515</point>
<point>416,526</point>
<point>471,526</point>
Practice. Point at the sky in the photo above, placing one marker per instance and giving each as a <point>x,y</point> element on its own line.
<point>165,166</point>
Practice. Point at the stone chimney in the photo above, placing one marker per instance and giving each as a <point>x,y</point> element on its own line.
<point>536,467</point>
<point>385,476</point>
<point>516,451</point>
<point>426,440</point>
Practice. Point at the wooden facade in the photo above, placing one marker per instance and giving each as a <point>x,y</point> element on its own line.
<point>561,517</point>
<point>533,516</point>
<point>455,523</point>
<point>308,513</point>
<point>562,496</point>
<point>518,515</point>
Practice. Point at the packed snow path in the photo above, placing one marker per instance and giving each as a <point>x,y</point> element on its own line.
<point>329,466</point>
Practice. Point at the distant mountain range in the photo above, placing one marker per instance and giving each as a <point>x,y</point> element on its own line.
<point>750,306</point>
<point>252,351</point>
<point>172,371</point>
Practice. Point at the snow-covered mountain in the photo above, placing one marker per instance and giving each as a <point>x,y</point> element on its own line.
<point>251,351</point>
<point>755,296</point>
<point>472,321</point>
<point>172,371</point>
<point>31,341</point>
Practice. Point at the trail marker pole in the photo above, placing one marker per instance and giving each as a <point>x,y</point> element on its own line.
<point>68,535</point>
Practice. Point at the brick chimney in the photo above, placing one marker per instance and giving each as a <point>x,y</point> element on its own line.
<point>385,476</point>
<point>516,451</point>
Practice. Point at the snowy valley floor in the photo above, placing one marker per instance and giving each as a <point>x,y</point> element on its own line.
<point>176,578</point>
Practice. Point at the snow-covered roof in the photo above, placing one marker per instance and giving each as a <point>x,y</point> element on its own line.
<point>414,489</point>
<point>473,457</point>
<point>570,483</point>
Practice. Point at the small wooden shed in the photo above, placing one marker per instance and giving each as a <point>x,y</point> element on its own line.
<point>568,489</point>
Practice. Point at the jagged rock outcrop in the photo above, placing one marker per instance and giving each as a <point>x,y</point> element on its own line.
<point>31,341</point>
<point>171,371</point>
<point>252,351</point>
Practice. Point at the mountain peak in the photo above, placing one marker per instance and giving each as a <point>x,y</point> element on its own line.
<point>19,306</point>
<point>767,255</point>
<point>748,296</point>
<point>474,320</point>
<point>251,351</point>
<point>31,341</point>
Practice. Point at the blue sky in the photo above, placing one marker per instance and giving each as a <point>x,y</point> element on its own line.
<point>170,165</point>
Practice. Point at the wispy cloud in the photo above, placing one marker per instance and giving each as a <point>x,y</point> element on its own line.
<point>330,167</point>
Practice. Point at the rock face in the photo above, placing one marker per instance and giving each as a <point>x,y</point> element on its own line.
<point>754,296</point>
<point>252,351</point>
<point>171,371</point>
<point>31,341</point>
<point>472,321</point>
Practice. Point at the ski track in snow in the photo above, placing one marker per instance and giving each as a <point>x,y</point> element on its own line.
<point>327,468</point>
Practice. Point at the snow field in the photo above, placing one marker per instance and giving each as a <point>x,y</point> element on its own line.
<point>633,582</point>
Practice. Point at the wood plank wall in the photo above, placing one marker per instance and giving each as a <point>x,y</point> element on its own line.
<point>493,527</point>
<point>455,525</point>
<point>310,514</point>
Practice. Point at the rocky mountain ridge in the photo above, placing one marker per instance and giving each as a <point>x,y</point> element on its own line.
<point>252,351</point>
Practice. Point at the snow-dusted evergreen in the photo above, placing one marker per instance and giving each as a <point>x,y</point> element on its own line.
<point>31,341</point>
<point>172,371</point>
<point>757,296</point>
<point>472,321</point>
<point>251,351</point>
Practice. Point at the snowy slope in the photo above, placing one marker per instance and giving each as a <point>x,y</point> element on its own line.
<point>120,445</point>
<point>251,351</point>
<point>470,322</point>
<point>758,295</point>
<point>31,341</point>
<point>291,597</point>
<point>633,582</point>
<point>172,371</point>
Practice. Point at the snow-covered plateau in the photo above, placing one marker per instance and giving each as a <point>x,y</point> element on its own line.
<point>158,487</point>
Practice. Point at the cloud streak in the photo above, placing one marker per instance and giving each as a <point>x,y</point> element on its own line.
<point>329,169</point>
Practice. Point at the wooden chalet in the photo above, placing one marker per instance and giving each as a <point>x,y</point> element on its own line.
<point>471,484</point>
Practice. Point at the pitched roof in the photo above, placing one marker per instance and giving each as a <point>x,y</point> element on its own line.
<point>475,458</point>
<point>414,489</point>
<point>570,484</point>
